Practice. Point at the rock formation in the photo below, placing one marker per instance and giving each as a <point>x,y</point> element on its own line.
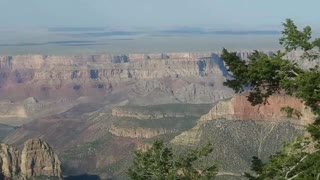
<point>159,111</point>
<point>10,160</point>
<point>61,76</point>
<point>239,130</point>
<point>139,132</point>
<point>239,108</point>
<point>37,159</point>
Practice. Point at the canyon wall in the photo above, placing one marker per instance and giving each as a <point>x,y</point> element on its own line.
<point>20,69</point>
<point>41,76</point>
<point>239,108</point>
<point>239,131</point>
<point>140,132</point>
<point>189,77</point>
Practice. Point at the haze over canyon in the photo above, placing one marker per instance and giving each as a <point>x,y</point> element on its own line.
<point>95,110</point>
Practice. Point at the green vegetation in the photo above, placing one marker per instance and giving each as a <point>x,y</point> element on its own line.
<point>160,163</point>
<point>265,76</point>
<point>291,112</point>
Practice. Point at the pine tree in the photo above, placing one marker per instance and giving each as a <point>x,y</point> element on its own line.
<point>160,163</point>
<point>265,76</point>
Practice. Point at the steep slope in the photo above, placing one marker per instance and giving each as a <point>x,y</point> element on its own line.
<point>239,131</point>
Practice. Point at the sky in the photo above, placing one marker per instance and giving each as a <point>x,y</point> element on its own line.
<point>158,14</point>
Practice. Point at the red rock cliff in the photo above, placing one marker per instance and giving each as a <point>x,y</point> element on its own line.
<point>239,108</point>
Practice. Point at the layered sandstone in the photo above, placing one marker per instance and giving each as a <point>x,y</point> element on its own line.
<point>239,108</point>
<point>239,131</point>
<point>36,159</point>
<point>124,112</point>
<point>187,77</point>
<point>153,112</point>
<point>139,132</point>
<point>36,67</point>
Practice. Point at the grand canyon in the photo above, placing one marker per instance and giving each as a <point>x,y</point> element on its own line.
<point>96,110</point>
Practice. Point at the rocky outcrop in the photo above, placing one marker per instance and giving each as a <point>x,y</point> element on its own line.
<point>239,108</point>
<point>239,131</point>
<point>37,159</point>
<point>160,111</point>
<point>139,113</point>
<point>127,112</point>
<point>139,132</point>
<point>9,160</point>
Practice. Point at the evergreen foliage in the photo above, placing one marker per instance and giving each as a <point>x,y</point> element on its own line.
<point>160,163</point>
<point>263,76</point>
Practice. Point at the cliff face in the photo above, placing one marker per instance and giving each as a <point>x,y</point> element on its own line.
<point>139,132</point>
<point>37,159</point>
<point>21,69</point>
<point>239,108</point>
<point>61,76</point>
<point>156,120</point>
<point>160,111</point>
<point>239,130</point>
<point>9,160</point>
<point>125,112</point>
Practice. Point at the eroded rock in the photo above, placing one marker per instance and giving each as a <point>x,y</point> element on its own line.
<point>37,159</point>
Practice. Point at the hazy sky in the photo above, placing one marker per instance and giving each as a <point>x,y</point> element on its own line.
<point>220,14</point>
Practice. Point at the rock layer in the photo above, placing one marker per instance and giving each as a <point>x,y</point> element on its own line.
<point>239,108</point>
<point>62,76</point>
<point>239,131</point>
<point>139,132</point>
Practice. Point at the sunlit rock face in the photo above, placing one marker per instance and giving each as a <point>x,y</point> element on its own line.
<point>9,160</point>
<point>37,159</point>
<point>239,108</point>
<point>239,130</point>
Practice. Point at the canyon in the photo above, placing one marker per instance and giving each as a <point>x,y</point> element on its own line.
<point>94,111</point>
